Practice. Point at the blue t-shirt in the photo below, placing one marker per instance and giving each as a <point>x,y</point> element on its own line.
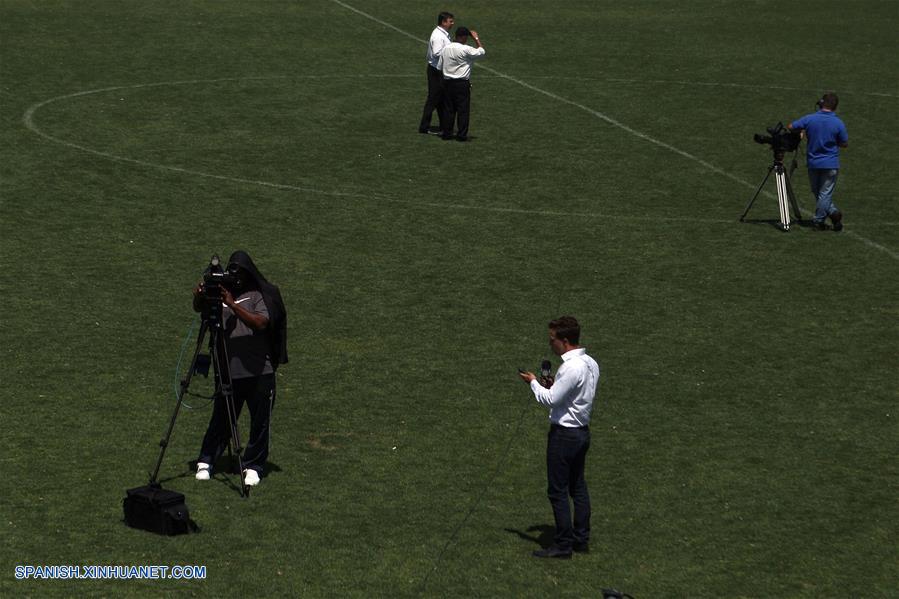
<point>824,131</point>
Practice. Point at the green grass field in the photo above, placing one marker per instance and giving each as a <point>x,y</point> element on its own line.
<point>745,437</point>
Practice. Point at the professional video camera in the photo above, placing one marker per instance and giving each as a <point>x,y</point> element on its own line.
<point>781,139</point>
<point>214,279</point>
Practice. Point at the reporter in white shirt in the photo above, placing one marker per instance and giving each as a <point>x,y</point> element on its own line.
<point>570,399</point>
<point>440,38</point>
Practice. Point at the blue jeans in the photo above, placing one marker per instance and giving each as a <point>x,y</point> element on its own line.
<point>823,181</point>
<point>566,452</point>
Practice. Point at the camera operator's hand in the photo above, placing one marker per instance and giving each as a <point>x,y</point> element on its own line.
<point>254,320</point>
<point>227,298</point>
<point>527,377</point>
<point>198,297</point>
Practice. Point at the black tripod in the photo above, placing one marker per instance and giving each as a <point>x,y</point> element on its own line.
<point>218,352</point>
<point>785,196</point>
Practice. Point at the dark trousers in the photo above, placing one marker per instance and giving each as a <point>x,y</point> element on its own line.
<point>566,452</point>
<point>436,100</point>
<point>258,393</point>
<point>458,95</point>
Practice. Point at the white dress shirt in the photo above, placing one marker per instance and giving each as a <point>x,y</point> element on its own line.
<point>571,395</point>
<point>456,60</point>
<point>439,40</point>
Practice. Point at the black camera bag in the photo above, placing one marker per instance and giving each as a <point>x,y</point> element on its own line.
<point>158,510</point>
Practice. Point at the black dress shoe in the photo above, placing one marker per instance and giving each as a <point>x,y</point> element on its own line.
<point>553,551</point>
<point>837,219</point>
<point>581,547</point>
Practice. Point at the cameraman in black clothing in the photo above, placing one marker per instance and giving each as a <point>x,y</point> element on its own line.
<point>254,326</point>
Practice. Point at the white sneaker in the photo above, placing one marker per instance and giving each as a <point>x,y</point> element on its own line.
<point>202,471</point>
<point>250,477</point>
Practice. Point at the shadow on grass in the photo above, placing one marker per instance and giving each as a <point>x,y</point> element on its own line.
<point>541,534</point>
<point>775,223</point>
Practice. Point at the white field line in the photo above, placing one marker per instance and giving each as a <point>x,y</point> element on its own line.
<point>29,121</point>
<point>30,124</point>
<point>613,122</point>
<point>710,84</point>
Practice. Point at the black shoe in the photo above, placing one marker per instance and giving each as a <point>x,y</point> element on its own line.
<point>816,226</point>
<point>553,551</point>
<point>447,137</point>
<point>581,547</point>
<point>423,131</point>
<point>460,138</point>
<point>837,219</point>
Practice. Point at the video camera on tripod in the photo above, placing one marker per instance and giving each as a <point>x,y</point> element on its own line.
<point>781,140</point>
<point>151,507</point>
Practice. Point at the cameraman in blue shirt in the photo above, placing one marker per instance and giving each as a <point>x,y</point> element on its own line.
<point>826,134</point>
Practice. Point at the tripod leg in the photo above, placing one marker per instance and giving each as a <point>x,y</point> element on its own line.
<point>185,383</point>
<point>757,192</point>
<point>782,200</point>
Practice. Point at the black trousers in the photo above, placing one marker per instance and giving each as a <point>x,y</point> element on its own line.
<point>436,100</point>
<point>258,393</point>
<point>566,453</point>
<point>458,94</point>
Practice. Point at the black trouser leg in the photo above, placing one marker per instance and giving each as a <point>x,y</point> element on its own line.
<point>218,433</point>
<point>260,396</point>
<point>577,487</point>
<point>566,451</point>
<point>458,93</point>
<point>434,101</point>
<point>463,107</point>
<point>449,108</point>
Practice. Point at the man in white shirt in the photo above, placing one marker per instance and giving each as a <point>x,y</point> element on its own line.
<point>570,399</point>
<point>455,63</point>
<point>440,38</point>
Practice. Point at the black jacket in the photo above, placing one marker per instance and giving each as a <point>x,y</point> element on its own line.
<point>277,313</point>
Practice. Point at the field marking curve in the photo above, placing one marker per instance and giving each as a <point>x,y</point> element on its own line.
<point>615,123</point>
<point>29,122</point>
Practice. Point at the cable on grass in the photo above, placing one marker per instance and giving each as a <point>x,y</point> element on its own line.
<point>476,503</point>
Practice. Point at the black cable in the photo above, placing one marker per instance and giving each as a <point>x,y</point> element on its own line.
<point>190,331</point>
<point>477,502</point>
